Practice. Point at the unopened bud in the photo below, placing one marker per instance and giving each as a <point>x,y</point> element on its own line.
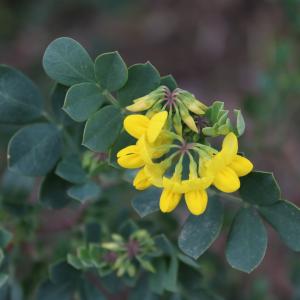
<point>141,104</point>
<point>147,101</point>
<point>177,123</point>
<point>191,102</point>
<point>156,108</point>
<point>187,118</point>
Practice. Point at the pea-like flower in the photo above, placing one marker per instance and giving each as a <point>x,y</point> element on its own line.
<point>227,166</point>
<point>146,131</point>
<point>167,135</point>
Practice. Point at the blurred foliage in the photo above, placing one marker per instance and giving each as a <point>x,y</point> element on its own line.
<point>272,107</point>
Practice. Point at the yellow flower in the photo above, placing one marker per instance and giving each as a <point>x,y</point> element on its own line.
<point>147,101</point>
<point>139,125</point>
<point>141,104</point>
<point>195,194</point>
<point>195,190</point>
<point>135,156</point>
<point>227,166</point>
<point>171,194</point>
<point>141,180</point>
<point>172,190</point>
<point>151,174</point>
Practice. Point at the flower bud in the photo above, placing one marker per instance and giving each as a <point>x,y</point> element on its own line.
<point>191,102</point>
<point>187,118</point>
<point>147,101</point>
<point>177,123</point>
<point>156,108</point>
<point>142,104</point>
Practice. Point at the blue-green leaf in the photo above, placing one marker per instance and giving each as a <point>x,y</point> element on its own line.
<point>284,216</point>
<point>111,71</point>
<point>53,192</point>
<point>199,232</point>
<point>67,62</point>
<point>102,129</point>
<point>70,169</point>
<point>20,100</point>
<point>247,241</point>
<point>146,202</point>
<point>259,188</point>
<point>82,100</point>
<point>169,81</point>
<point>35,149</point>
<point>142,79</point>
<point>85,192</point>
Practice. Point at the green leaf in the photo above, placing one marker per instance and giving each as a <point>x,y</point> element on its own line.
<point>141,291</point>
<point>50,291</point>
<point>20,100</point>
<point>142,79</point>
<point>111,71</point>
<point>3,279</point>
<point>62,272</point>
<point>171,272</point>
<point>240,122</point>
<point>84,192</point>
<point>259,188</point>
<point>35,149</point>
<point>199,232</point>
<point>146,202</point>
<point>90,292</point>
<point>5,237</point>
<point>102,129</point>
<point>58,96</point>
<point>82,100</point>
<point>164,245</point>
<point>170,278</point>
<point>156,280</point>
<point>53,192</point>
<point>93,232</point>
<point>169,81</point>
<point>285,218</point>
<point>247,241</point>
<point>1,256</point>
<point>70,169</point>
<point>67,62</point>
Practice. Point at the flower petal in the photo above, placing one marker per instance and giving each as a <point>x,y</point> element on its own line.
<point>155,173</point>
<point>144,150</point>
<point>131,161</point>
<point>127,150</point>
<point>196,184</point>
<point>141,180</point>
<point>130,158</point>
<point>227,180</point>
<point>229,147</point>
<point>241,165</point>
<point>140,104</point>
<point>136,125</point>
<point>156,124</point>
<point>196,201</point>
<point>168,200</point>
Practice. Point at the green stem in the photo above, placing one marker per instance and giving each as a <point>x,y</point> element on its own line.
<point>113,100</point>
<point>48,117</point>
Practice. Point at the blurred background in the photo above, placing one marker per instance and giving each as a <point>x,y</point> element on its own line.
<point>245,53</point>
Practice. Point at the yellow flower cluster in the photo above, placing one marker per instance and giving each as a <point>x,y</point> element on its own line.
<point>159,151</point>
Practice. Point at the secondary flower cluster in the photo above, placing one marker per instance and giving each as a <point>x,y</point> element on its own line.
<point>120,255</point>
<point>168,146</point>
